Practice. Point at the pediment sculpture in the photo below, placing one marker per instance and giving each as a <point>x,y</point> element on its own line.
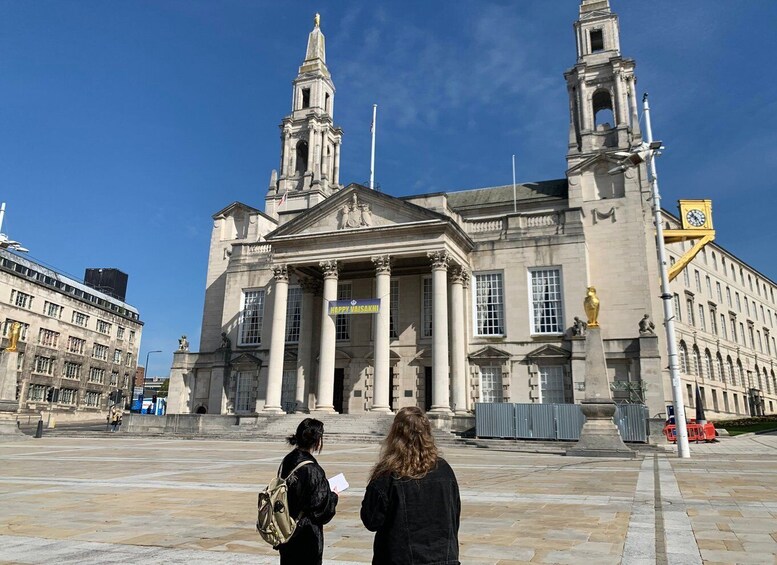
<point>355,214</point>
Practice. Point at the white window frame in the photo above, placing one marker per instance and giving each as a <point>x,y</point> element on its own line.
<point>549,374</point>
<point>491,384</point>
<point>253,331</point>
<point>559,316</point>
<point>243,392</point>
<point>80,319</point>
<point>48,338</point>
<point>72,370</point>
<point>21,299</point>
<point>76,345</point>
<point>100,351</point>
<point>489,313</point>
<point>52,310</point>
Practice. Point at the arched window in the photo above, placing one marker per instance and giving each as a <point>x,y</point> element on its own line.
<point>719,368</point>
<point>302,157</point>
<point>741,374</point>
<point>768,384</point>
<point>731,375</point>
<point>683,358</point>
<point>697,366</point>
<point>774,382</point>
<point>708,365</point>
<point>604,118</point>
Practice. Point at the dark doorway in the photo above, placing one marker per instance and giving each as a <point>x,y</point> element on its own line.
<point>427,388</point>
<point>337,397</point>
<point>202,410</point>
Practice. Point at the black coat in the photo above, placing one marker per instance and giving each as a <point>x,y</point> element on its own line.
<point>309,493</point>
<point>416,521</point>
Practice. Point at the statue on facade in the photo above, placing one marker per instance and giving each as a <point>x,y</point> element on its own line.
<point>13,337</point>
<point>355,214</point>
<point>183,344</point>
<point>226,347</point>
<point>578,327</point>
<point>591,306</point>
<point>646,325</point>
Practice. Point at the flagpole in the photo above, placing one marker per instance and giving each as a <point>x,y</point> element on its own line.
<point>515,202</point>
<point>372,157</point>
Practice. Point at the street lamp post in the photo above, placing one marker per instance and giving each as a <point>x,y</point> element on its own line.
<point>681,430</point>
<point>145,375</point>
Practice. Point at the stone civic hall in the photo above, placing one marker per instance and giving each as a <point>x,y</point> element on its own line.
<point>476,292</point>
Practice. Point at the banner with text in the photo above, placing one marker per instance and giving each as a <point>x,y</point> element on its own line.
<point>360,306</point>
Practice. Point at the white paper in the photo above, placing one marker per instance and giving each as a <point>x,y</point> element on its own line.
<point>338,483</point>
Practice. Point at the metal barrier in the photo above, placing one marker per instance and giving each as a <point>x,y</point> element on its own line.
<point>553,421</point>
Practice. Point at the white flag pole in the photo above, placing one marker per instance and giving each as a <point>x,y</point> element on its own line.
<point>515,202</point>
<point>372,158</point>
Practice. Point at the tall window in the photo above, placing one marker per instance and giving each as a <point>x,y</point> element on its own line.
<point>343,321</point>
<point>293,314</point>
<point>714,321</point>
<point>683,353</point>
<point>491,384</point>
<point>119,332</point>
<point>728,296</point>
<point>552,385</point>
<point>547,316</point>
<point>289,391</point>
<point>677,309</point>
<point>702,319</point>
<point>686,278</point>
<point>697,368</point>
<point>394,309</point>
<point>719,368</point>
<point>251,317</point>
<point>723,329</point>
<point>427,306</point>
<point>697,278</point>
<point>719,290</point>
<point>489,304</point>
<point>708,365</point>
<point>689,304</point>
<point>243,392</point>
<point>709,286</point>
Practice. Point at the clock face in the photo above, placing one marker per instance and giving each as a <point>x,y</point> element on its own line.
<point>696,217</point>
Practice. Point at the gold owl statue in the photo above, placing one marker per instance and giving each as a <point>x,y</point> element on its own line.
<point>591,306</point>
<point>13,338</point>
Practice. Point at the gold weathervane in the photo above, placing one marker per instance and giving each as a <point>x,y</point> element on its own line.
<point>591,307</point>
<point>317,20</point>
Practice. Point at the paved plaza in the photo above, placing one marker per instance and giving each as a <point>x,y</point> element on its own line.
<point>114,499</point>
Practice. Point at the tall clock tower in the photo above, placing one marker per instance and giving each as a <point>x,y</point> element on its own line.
<point>615,204</point>
<point>310,142</point>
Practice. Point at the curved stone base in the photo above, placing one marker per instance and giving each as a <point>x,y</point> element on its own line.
<point>600,436</point>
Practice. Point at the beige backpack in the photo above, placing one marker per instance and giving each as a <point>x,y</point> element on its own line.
<point>274,522</point>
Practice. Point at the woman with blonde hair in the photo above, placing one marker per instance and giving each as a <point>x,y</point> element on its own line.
<point>412,500</point>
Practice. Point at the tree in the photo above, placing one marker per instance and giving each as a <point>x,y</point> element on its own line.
<point>162,392</point>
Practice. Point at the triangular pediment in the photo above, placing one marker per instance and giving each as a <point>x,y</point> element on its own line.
<point>489,352</point>
<point>239,208</point>
<point>610,160</point>
<point>357,208</point>
<point>549,352</point>
<point>246,359</point>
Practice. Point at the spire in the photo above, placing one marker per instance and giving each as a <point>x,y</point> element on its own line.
<point>315,56</point>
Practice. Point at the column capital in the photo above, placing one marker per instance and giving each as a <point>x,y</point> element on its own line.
<point>309,285</point>
<point>281,272</point>
<point>460,275</point>
<point>382,263</point>
<point>331,269</point>
<point>439,259</point>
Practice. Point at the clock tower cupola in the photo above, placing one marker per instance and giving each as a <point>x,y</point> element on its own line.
<point>310,142</point>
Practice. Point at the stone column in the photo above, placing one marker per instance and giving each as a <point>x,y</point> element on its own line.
<point>632,87</point>
<point>326,365</point>
<point>459,278</point>
<point>381,381</point>
<point>9,406</point>
<point>440,379</point>
<point>311,148</point>
<point>336,168</point>
<point>277,340</point>
<point>305,347</point>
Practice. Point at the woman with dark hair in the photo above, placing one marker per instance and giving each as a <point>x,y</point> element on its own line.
<point>412,500</point>
<point>310,498</point>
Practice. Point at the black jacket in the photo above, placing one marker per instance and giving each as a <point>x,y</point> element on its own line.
<point>416,521</point>
<point>309,493</point>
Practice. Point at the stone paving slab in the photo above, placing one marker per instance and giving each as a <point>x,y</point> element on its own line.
<point>91,500</point>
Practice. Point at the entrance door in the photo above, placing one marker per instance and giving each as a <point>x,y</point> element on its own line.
<point>337,397</point>
<point>289,391</point>
<point>427,388</point>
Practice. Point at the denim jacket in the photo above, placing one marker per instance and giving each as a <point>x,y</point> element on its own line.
<point>416,520</point>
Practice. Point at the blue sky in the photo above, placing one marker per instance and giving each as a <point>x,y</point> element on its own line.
<point>125,125</point>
